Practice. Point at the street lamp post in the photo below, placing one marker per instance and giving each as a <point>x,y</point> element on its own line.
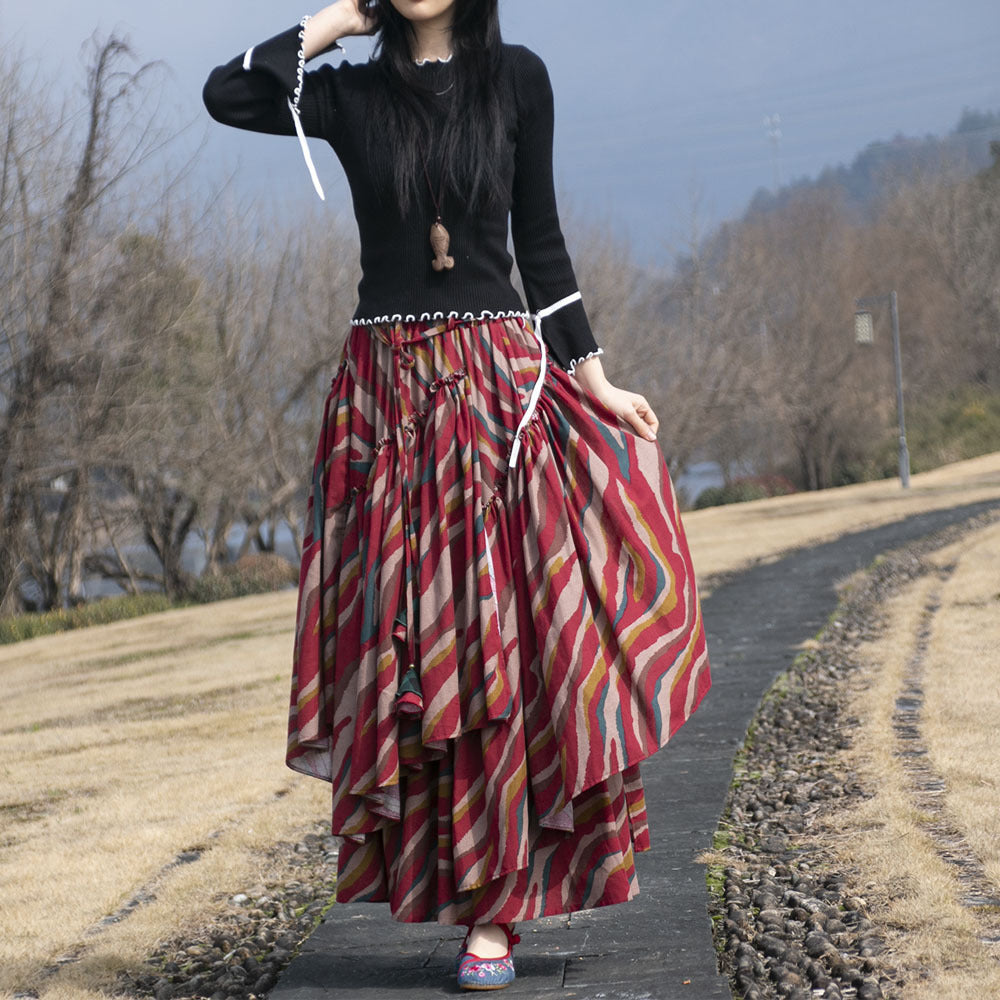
<point>864,334</point>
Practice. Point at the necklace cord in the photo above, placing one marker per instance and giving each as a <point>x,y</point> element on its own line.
<point>430,187</point>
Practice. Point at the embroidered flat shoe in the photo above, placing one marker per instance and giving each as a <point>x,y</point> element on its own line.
<point>475,973</point>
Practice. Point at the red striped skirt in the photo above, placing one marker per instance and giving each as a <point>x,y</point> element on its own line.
<point>484,655</point>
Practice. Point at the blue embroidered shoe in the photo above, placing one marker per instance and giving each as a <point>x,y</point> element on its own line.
<point>475,973</point>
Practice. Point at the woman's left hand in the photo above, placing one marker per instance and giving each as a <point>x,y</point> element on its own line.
<point>632,407</point>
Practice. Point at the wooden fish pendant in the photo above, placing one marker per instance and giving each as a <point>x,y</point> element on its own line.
<point>440,242</point>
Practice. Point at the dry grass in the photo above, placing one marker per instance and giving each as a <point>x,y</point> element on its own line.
<point>724,539</point>
<point>123,745</point>
<point>962,697</point>
<point>909,884</point>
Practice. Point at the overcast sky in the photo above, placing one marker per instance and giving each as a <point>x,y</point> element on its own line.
<point>665,101</point>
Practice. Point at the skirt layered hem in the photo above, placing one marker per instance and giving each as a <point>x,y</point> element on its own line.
<point>485,654</point>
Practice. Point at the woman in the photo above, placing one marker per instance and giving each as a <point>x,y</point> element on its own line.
<point>497,617</point>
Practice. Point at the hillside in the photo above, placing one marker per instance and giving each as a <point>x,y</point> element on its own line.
<point>865,181</point>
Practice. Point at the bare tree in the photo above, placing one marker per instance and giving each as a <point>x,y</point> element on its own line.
<point>805,260</point>
<point>951,225</point>
<point>282,303</point>
<point>50,216</point>
<point>163,362</point>
<point>62,201</point>
<point>159,359</point>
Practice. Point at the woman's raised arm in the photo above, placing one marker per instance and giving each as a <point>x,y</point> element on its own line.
<point>266,89</point>
<point>262,88</point>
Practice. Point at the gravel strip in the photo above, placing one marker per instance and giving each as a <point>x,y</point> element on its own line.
<point>788,922</point>
<point>242,952</point>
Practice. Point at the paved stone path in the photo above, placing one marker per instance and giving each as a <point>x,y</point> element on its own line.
<point>659,946</point>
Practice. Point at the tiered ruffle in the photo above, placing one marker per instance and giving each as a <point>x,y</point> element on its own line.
<point>482,659</point>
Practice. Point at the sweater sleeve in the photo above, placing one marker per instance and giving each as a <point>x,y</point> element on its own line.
<point>539,246</point>
<point>265,88</point>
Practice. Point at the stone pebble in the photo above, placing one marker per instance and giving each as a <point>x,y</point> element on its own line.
<point>787,922</point>
<point>241,955</point>
<point>779,897</point>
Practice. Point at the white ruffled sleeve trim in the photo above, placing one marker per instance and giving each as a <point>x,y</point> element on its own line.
<point>293,101</point>
<point>571,368</point>
<point>301,69</point>
<point>293,104</point>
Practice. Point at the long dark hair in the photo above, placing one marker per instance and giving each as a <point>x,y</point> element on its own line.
<point>466,160</point>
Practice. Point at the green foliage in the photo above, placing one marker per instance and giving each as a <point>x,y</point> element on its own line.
<point>881,463</point>
<point>962,424</point>
<point>738,492</point>
<point>741,490</point>
<point>258,573</point>
<point>108,609</point>
<point>253,574</point>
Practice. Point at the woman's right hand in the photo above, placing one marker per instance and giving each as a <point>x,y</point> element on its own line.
<point>354,15</point>
<point>340,19</point>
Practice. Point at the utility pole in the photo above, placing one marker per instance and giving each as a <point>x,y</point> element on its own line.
<point>864,333</point>
<point>772,126</point>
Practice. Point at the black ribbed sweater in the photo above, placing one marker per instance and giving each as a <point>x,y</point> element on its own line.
<point>397,280</point>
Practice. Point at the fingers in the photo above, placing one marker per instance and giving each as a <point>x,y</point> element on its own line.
<point>643,419</point>
<point>634,409</point>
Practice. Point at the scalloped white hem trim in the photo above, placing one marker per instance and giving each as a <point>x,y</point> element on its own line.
<point>576,361</point>
<point>427,317</point>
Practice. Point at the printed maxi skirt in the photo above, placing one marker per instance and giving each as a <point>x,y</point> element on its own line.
<point>484,654</point>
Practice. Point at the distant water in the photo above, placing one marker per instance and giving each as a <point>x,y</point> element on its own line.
<point>698,477</point>
<point>192,559</point>
<point>689,483</point>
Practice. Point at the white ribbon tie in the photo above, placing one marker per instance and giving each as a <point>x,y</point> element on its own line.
<point>536,390</point>
<point>305,149</point>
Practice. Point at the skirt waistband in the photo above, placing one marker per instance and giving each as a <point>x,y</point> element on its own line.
<point>398,332</point>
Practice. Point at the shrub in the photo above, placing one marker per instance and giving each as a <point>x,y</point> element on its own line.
<point>258,573</point>
<point>964,424</point>
<point>743,489</point>
<point>253,574</point>
<point>100,612</point>
<point>940,429</point>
